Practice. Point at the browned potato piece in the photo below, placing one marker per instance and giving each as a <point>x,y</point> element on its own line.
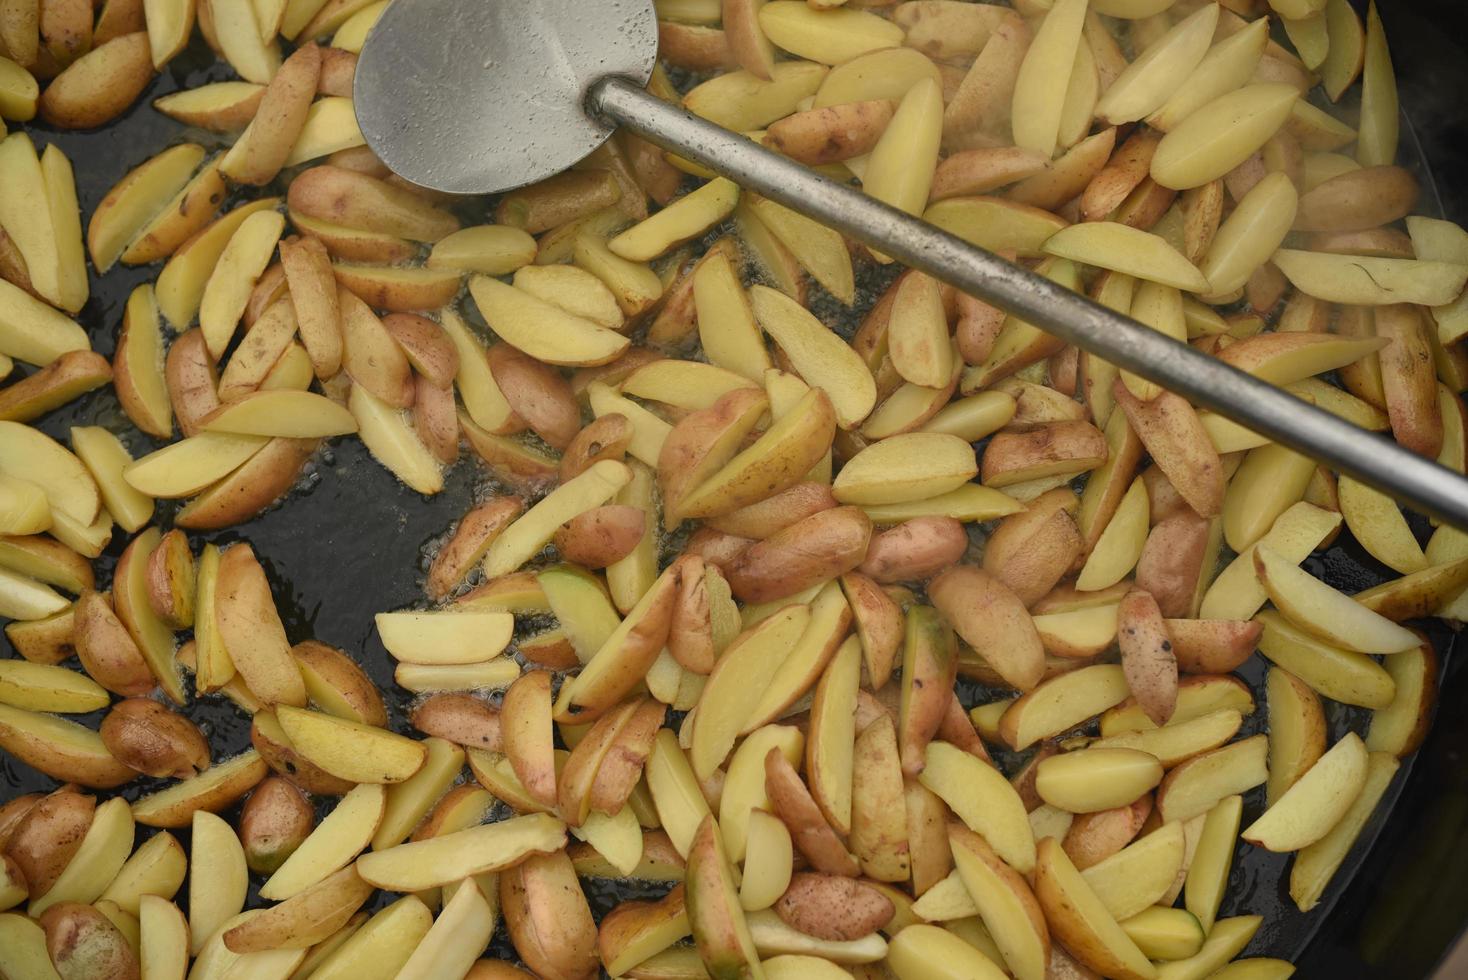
<point>106,649</point>
<point>273,822</point>
<point>602,535</point>
<point>338,73</point>
<point>436,419</point>
<point>831,134</point>
<point>1146,655</point>
<point>47,836</point>
<point>1033,550</point>
<point>914,550</point>
<point>307,269</point>
<point>989,617</point>
<point>536,393</point>
<point>1168,426</point>
<point>548,919</point>
<point>261,151</point>
<point>459,718</point>
<point>11,814</point>
<point>808,552</point>
<point>100,85</point>
<point>1172,561</point>
<point>83,943</point>
<point>193,381</point>
<point>604,438</point>
<point>1212,646</point>
<point>1048,450</point>
<point>146,736</point>
<point>833,907</point>
<point>471,539</point>
<point>170,580</point>
<point>809,831</point>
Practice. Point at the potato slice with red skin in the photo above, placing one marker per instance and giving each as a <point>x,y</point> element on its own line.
<point>915,550</point>
<point>536,393</point>
<point>703,442</point>
<point>991,619</point>
<point>525,726</point>
<point>778,459</point>
<point>1212,646</point>
<point>929,669</point>
<point>370,354</point>
<point>548,919</point>
<point>606,437</point>
<point>460,718</point>
<point>775,513</point>
<point>1173,560</point>
<point>1169,428</point>
<point>601,536</point>
<point>833,907</point>
<point>878,622</point>
<point>622,765</point>
<point>1146,655</point>
<point>691,637</point>
<point>1030,552</point>
<point>1094,837</point>
<point>878,811</point>
<point>623,660</point>
<point>810,832</point>
<point>817,549</point>
<point>1408,381</point>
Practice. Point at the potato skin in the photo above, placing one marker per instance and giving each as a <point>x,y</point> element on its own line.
<point>106,650</point>
<point>914,550</point>
<point>604,438</point>
<point>773,514</point>
<point>459,718</point>
<point>548,919</point>
<point>99,85</point>
<point>85,945</point>
<point>146,736</point>
<point>537,393</point>
<point>816,549</point>
<point>273,822</point>
<point>601,536</point>
<point>12,812</point>
<point>832,907</point>
<point>347,679</point>
<point>47,837</point>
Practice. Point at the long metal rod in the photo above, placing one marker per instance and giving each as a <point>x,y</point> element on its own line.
<point>1420,483</point>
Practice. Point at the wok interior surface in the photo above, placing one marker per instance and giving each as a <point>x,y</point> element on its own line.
<point>350,541</point>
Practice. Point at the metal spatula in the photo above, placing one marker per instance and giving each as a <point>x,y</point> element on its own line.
<point>480,96</point>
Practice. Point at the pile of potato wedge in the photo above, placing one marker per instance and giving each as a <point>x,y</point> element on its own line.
<point>703,626</point>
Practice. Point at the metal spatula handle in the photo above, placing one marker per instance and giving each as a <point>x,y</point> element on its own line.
<point>1270,411</point>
